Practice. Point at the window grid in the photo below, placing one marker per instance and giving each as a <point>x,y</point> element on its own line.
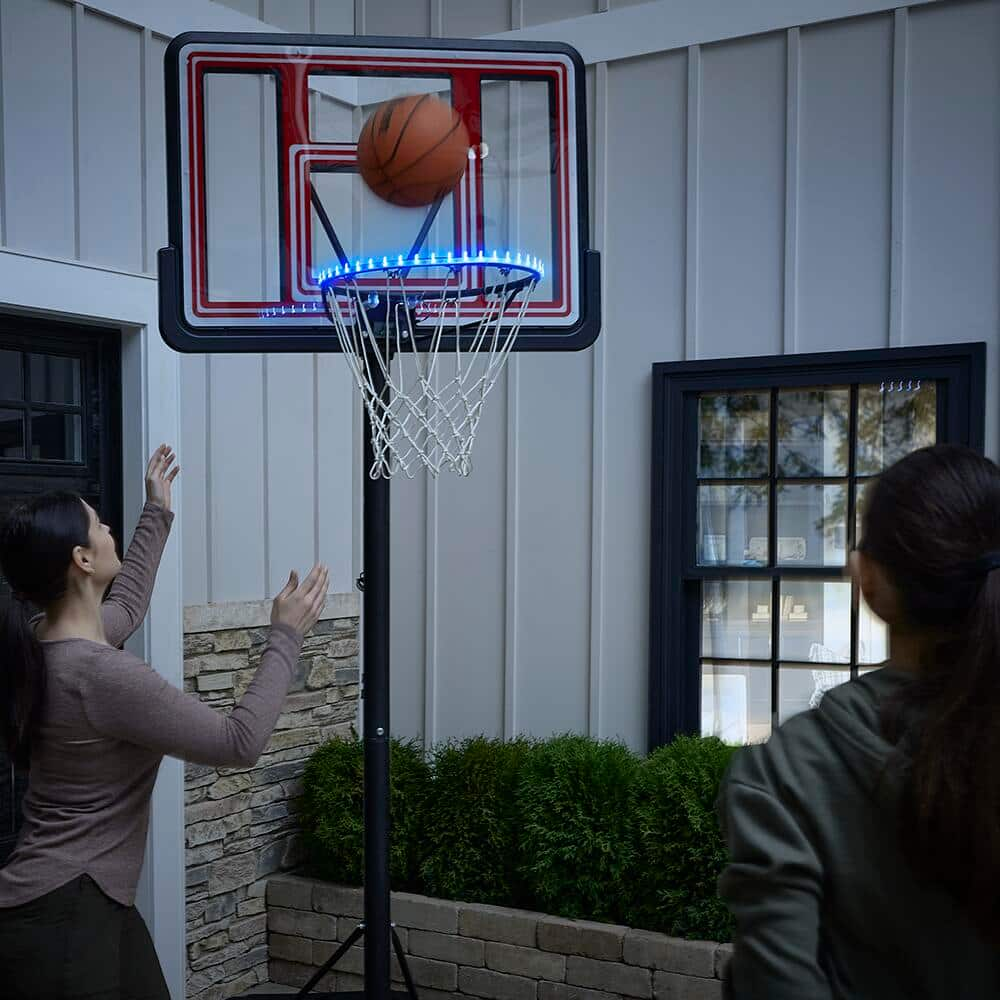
<point>28,407</point>
<point>776,572</point>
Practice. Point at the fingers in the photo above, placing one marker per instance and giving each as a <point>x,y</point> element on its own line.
<point>316,581</point>
<point>160,461</point>
<point>293,582</point>
<point>173,475</point>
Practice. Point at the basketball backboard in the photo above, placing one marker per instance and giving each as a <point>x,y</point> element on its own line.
<point>264,194</point>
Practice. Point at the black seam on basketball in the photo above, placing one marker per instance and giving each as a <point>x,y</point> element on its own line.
<point>427,152</point>
<point>402,131</point>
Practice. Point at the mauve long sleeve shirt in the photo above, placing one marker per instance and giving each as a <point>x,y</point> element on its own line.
<point>107,722</point>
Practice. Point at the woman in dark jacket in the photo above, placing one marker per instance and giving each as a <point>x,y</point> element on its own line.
<point>92,722</point>
<point>865,834</point>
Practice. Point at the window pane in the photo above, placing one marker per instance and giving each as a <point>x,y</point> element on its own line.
<point>11,382</point>
<point>812,525</point>
<point>894,418</point>
<point>801,688</point>
<point>812,432</point>
<point>11,434</point>
<point>859,505</point>
<point>815,624</point>
<point>733,435</point>
<point>54,380</point>
<point>732,525</point>
<point>736,702</point>
<point>736,619</point>
<point>873,635</point>
<point>56,437</point>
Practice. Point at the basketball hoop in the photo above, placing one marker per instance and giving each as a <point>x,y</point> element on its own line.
<point>471,306</point>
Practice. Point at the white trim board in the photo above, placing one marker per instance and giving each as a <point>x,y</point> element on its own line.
<point>673,24</point>
<point>70,291</point>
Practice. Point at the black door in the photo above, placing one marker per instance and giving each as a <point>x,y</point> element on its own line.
<point>60,429</point>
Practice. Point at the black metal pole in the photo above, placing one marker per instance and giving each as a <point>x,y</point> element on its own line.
<point>376,719</point>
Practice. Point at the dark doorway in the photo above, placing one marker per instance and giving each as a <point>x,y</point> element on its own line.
<point>60,429</point>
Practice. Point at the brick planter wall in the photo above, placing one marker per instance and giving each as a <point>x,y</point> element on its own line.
<point>470,950</point>
<point>240,825</point>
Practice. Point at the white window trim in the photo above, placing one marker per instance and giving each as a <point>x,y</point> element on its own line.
<point>70,291</point>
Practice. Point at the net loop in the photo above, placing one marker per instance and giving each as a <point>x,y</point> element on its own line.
<point>388,322</point>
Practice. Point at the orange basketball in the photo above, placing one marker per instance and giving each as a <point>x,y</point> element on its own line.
<point>413,150</point>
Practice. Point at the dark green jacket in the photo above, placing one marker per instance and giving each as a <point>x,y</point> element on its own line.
<point>826,907</point>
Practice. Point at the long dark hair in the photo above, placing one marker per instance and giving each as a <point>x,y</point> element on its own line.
<point>933,522</point>
<point>36,547</point>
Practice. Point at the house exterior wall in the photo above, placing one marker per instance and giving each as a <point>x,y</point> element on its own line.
<point>823,187</point>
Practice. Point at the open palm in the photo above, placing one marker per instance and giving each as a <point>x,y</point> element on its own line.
<point>160,476</point>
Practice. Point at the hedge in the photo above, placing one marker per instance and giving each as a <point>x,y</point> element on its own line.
<point>571,826</point>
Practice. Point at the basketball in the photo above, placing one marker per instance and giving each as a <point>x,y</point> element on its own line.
<point>413,150</point>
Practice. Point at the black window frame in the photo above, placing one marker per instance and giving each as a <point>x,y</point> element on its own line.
<point>675,601</point>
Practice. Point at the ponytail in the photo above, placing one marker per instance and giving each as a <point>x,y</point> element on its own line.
<point>36,548</point>
<point>933,522</point>
<point>22,680</point>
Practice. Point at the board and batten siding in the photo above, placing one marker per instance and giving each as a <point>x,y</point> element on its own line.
<point>821,188</point>
<point>825,187</point>
<point>266,441</point>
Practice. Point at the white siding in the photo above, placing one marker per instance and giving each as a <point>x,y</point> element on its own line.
<point>744,198</point>
<point>834,186</point>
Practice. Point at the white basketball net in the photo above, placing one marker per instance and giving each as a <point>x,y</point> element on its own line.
<point>426,415</point>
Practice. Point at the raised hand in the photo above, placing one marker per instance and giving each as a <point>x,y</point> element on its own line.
<point>160,477</point>
<point>300,605</point>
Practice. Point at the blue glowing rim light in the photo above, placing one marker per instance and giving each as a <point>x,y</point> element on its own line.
<point>529,266</point>
<point>512,259</point>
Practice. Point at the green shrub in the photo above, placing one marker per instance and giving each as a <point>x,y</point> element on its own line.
<point>470,833</point>
<point>409,790</point>
<point>680,848</point>
<point>332,811</point>
<point>576,845</point>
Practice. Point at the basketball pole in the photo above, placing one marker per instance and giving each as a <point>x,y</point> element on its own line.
<point>375,692</point>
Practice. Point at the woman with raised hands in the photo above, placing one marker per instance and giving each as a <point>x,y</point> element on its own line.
<point>92,722</point>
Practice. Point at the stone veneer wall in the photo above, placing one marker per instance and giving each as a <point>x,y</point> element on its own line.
<point>460,950</point>
<point>240,825</point>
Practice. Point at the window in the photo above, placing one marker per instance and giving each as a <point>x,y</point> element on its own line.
<point>41,407</point>
<point>759,471</point>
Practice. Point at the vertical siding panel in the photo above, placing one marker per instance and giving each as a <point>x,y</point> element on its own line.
<point>646,152</point>
<point>553,590</point>
<point>952,249</point>
<point>40,204</point>
<point>236,503</point>
<point>547,11</point>
<point>389,17</point>
<point>471,20</point>
<point>249,7</point>
<point>411,692</point>
<point>792,117</point>
<point>599,216</point>
<point>289,15</point>
<point>741,187</point>
<point>192,456</point>
<point>291,487</point>
<point>111,118</point>
<point>336,470</point>
<point>845,201</point>
<point>333,17</point>
<point>469,585</point>
<point>691,214</point>
<point>156,156</point>
<point>900,73</point>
